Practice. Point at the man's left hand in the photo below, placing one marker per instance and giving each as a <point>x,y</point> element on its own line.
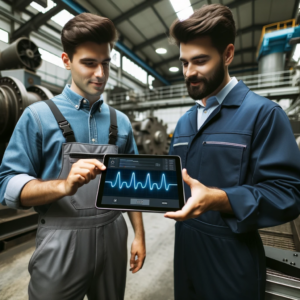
<point>138,254</point>
<point>202,200</point>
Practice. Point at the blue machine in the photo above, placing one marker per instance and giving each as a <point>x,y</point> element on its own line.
<point>278,41</point>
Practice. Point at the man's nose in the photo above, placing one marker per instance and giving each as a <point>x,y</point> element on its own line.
<point>99,72</point>
<point>190,71</point>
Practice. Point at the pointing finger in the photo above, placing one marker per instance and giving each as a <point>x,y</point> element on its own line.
<point>95,162</point>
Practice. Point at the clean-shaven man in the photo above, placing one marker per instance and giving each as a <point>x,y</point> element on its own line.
<point>52,162</point>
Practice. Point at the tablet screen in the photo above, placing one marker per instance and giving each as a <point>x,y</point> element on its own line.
<point>141,182</point>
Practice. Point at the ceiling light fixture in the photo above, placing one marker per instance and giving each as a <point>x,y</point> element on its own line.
<point>174,69</point>
<point>182,8</point>
<point>161,50</point>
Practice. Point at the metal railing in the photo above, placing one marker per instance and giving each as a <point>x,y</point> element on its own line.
<point>254,82</point>
<point>52,78</point>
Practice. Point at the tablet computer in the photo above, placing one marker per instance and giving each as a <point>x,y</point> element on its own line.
<point>141,183</point>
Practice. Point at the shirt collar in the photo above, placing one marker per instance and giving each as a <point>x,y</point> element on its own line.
<point>224,92</point>
<point>80,102</point>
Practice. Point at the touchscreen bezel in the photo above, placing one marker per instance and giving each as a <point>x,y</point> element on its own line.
<point>181,195</point>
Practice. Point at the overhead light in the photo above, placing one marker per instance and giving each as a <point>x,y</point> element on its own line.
<point>174,69</point>
<point>161,50</point>
<point>182,8</point>
<point>185,14</point>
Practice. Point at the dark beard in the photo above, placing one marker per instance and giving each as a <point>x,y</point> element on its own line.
<point>209,85</point>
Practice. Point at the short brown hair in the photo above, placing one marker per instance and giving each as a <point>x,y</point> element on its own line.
<point>87,27</point>
<point>213,20</point>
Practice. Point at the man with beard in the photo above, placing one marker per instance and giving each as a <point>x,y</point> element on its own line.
<point>241,168</point>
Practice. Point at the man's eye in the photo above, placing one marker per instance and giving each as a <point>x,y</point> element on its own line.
<point>184,64</point>
<point>88,63</point>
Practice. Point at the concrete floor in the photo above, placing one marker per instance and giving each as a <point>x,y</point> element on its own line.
<point>154,281</point>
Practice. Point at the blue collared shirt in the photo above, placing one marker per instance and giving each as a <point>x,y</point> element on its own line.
<point>203,113</point>
<point>34,150</point>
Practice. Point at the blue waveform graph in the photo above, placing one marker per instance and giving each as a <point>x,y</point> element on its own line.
<point>140,183</point>
<point>136,185</point>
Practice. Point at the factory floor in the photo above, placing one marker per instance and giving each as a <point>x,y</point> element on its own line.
<point>154,281</point>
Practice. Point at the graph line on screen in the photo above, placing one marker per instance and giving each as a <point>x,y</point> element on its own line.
<point>136,185</point>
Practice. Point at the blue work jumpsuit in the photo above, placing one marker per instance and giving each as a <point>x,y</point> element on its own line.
<point>246,147</point>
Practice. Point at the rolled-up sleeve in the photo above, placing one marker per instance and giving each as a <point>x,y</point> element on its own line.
<point>14,188</point>
<point>22,159</point>
<point>274,196</point>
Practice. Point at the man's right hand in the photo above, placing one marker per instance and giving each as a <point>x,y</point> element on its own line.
<point>37,192</point>
<point>82,172</point>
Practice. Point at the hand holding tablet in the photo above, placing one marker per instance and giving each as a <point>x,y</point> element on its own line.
<point>141,183</point>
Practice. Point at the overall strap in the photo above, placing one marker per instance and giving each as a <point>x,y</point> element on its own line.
<point>113,129</point>
<point>62,122</point>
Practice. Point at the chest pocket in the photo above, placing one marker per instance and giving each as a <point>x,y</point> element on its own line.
<point>180,146</point>
<point>221,163</point>
<point>121,143</point>
<point>85,196</point>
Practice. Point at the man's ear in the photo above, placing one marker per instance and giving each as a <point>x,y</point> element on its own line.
<point>66,60</point>
<point>229,54</point>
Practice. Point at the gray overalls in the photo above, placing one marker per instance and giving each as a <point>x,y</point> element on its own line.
<point>80,250</point>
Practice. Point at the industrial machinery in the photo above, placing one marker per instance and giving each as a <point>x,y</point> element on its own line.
<point>14,98</point>
<point>151,136</point>
<point>275,44</point>
<point>19,88</point>
<point>19,85</point>
<point>23,53</point>
<point>281,243</point>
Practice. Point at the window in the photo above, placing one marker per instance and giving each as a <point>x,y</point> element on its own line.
<point>3,36</point>
<point>61,18</point>
<point>115,58</point>
<point>40,8</point>
<point>182,8</point>
<point>150,80</point>
<point>296,53</point>
<point>134,70</point>
<point>52,58</point>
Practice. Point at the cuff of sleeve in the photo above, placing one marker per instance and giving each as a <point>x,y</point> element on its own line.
<point>244,207</point>
<point>13,190</point>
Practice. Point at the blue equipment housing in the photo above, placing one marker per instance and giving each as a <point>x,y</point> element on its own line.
<point>278,41</point>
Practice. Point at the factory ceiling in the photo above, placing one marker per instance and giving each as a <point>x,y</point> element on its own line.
<point>143,25</point>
